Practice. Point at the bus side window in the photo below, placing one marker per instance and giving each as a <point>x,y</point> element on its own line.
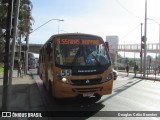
<point>49,51</point>
<point>42,59</point>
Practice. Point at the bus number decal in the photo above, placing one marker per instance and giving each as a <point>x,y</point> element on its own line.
<point>66,72</point>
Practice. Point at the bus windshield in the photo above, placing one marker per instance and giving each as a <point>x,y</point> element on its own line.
<point>81,51</point>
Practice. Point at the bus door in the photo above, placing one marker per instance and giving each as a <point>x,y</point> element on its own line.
<point>48,65</point>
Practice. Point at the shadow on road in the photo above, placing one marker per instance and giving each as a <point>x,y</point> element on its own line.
<point>77,105</point>
<point>70,107</point>
<point>120,89</point>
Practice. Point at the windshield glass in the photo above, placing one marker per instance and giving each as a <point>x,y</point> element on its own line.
<point>80,51</point>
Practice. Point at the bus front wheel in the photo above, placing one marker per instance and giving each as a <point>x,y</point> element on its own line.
<point>97,97</point>
<point>50,87</point>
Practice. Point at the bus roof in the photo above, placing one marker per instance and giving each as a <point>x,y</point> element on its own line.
<point>64,34</point>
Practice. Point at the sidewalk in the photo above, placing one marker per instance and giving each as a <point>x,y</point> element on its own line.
<point>25,95</point>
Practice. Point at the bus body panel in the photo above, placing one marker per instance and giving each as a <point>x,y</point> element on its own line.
<point>66,90</point>
<point>61,89</point>
<point>50,73</point>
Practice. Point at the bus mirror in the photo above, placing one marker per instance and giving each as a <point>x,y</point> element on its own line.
<point>107,45</point>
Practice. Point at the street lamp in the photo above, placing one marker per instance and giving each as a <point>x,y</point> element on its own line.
<point>64,31</point>
<point>27,39</point>
<point>46,23</point>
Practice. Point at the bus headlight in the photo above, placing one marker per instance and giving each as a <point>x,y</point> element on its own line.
<point>107,78</point>
<point>62,79</point>
<point>66,80</point>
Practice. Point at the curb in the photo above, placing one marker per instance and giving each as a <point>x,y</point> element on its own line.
<point>151,78</point>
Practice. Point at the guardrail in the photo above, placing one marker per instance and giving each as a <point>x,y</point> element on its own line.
<point>151,47</point>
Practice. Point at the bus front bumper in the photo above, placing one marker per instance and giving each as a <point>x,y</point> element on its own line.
<point>63,90</point>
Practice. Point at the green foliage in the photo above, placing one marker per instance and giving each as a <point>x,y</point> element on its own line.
<point>1,68</point>
<point>130,61</point>
<point>25,18</point>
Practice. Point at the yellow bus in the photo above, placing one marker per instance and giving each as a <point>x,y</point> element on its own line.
<point>76,64</point>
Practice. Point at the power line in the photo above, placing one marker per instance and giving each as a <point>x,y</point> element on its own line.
<point>121,5</point>
<point>130,31</point>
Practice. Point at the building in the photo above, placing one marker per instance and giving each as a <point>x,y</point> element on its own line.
<point>113,46</point>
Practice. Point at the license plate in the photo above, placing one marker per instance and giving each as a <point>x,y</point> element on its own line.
<point>88,94</point>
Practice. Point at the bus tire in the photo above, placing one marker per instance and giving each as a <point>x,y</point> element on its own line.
<point>41,76</point>
<point>97,97</point>
<point>44,85</point>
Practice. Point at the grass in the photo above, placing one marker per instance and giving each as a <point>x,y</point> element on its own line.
<point>1,68</point>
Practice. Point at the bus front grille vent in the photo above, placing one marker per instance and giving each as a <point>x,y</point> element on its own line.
<point>87,81</point>
<point>82,90</point>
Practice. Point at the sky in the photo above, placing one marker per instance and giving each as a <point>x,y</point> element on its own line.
<point>100,17</point>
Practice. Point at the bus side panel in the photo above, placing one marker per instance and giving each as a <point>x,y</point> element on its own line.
<point>51,71</point>
<point>45,71</point>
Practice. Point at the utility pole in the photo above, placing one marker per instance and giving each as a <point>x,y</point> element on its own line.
<point>145,39</point>
<point>159,44</point>
<point>13,50</point>
<point>7,55</point>
<point>141,53</point>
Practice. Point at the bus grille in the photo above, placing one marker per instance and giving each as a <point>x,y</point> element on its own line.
<point>82,90</point>
<point>86,81</point>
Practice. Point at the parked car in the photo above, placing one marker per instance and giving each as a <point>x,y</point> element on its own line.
<point>115,74</point>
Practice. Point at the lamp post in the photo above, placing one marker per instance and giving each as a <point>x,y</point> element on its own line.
<point>145,39</point>
<point>64,31</point>
<point>141,53</point>
<point>27,41</point>
<point>46,23</point>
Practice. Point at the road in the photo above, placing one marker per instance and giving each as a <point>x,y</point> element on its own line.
<point>129,95</point>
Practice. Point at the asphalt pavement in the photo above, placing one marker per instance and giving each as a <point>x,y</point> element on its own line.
<point>26,96</point>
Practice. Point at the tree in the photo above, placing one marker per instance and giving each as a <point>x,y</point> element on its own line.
<point>25,16</point>
<point>3,19</point>
<point>22,18</point>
